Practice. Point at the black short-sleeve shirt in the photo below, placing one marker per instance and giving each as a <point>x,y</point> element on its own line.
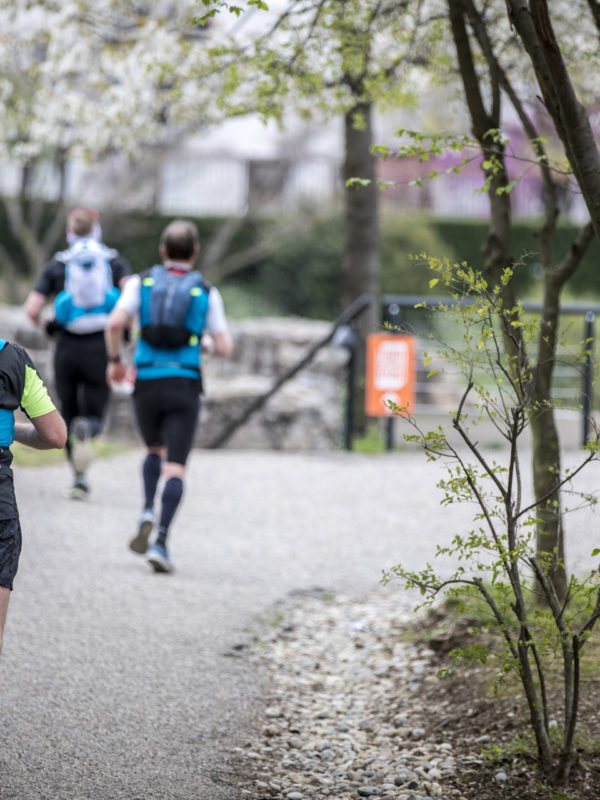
<point>20,387</point>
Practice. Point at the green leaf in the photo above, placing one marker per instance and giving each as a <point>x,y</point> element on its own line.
<point>357,182</point>
<point>380,150</point>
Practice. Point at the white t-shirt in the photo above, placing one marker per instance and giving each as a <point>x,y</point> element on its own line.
<point>215,314</point>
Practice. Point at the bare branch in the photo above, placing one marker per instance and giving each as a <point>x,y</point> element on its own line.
<point>503,625</point>
<point>557,487</point>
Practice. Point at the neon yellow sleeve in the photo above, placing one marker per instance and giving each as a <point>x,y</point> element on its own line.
<point>35,400</point>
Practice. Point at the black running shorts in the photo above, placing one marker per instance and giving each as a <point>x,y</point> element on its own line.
<point>10,549</point>
<point>80,377</point>
<point>167,411</point>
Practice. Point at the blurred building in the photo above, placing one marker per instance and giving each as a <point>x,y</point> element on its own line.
<point>245,166</point>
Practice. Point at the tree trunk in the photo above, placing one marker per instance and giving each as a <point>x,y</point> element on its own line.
<point>37,240</point>
<point>361,265</point>
<point>549,531</point>
<point>11,277</point>
<point>533,24</point>
<point>545,441</point>
<point>550,548</point>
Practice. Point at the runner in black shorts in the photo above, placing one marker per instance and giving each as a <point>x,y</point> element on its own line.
<point>80,352</point>
<point>168,377</point>
<point>20,387</point>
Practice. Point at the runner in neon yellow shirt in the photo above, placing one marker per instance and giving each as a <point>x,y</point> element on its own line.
<point>20,387</point>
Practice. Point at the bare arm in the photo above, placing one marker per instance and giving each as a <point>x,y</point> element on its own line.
<point>223,344</point>
<point>34,305</point>
<point>118,320</point>
<point>47,432</point>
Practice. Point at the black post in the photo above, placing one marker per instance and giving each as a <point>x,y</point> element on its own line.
<point>350,343</point>
<point>588,337</point>
<point>389,433</point>
<point>394,318</point>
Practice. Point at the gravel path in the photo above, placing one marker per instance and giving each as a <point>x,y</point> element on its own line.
<point>347,716</point>
<point>115,682</point>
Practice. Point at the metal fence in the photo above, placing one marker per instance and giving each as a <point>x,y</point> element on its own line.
<point>573,382</point>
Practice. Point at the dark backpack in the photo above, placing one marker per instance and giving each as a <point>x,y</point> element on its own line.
<point>166,299</point>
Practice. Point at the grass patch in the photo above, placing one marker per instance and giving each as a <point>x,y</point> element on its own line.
<point>373,440</point>
<point>30,457</point>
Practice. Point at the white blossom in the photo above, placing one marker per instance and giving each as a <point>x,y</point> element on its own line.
<point>92,77</point>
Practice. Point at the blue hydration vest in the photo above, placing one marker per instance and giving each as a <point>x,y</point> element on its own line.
<point>172,318</point>
<point>7,418</point>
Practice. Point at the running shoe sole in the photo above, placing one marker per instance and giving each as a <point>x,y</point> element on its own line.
<point>77,493</point>
<point>158,563</point>
<point>139,543</point>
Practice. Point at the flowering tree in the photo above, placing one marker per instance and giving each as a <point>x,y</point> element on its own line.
<point>80,81</point>
<point>319,60</point>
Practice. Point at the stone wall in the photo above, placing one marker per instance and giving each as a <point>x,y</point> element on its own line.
<point>305,414</point>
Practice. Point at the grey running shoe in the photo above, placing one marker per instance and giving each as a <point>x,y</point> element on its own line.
<point>80,489</point>
<point>81,446</point>
<point>158,558</point>
<point>139,543</point>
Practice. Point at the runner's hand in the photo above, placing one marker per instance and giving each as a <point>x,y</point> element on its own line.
<point>208,344</point>
<point>115,373</point>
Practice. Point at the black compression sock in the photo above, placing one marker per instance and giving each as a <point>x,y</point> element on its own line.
<point>170,499</point>
<point>151,476</point>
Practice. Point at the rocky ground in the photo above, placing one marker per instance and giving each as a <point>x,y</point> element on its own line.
<point>358,709</point>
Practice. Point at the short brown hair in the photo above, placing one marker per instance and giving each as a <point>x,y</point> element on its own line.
<point>81,220</point>
<point>180,239</point>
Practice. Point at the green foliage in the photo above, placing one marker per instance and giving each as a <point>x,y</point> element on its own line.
<point>372,440</point>
<point>303,277</point>
<point>522,745</point>
<point>463,240</point>
<point>320,60</point>
<point>496,560</point>
<point>136,235</point>
<point>243,300</point>
<point>302,274</point>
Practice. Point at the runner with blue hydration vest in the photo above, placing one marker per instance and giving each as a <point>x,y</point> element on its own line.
<point>180,315</point>
<point>85,280</point>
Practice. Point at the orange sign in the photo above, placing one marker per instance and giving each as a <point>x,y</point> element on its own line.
<point>390,372</point>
